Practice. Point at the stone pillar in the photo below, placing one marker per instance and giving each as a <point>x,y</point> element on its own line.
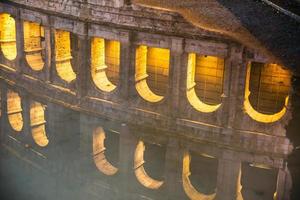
<point>177,62</point>
<point>47,52</point>
<point>183,101</point>
<point>3,118</point>
<point>228,177</point>
<point>63,125</point>
<point>284,184</point>
<point>26,132</point>
<point>52,55</point>
<point>85,156</point>
<point>173,171</point>
<point>126,157</point>
<point>83,63</point>
<point>232,75</point>
<point>127,64</point>
<point>20,43</point>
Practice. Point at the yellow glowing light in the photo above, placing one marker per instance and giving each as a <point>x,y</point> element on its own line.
<point>63,56</point>
<point>275,195</point>
<point>32,45</point>
<point>8,36</point>
<point>151,69</point>
<point>103,52</point>
<point>255,115</point>
<point>99,153</point>
<point>139,169</point>
<point>14,110</point>
<point>189,189</point>
<point>239,186</point>
<point>112,60</point>
<point>37,123</point>
<point>191,92</point>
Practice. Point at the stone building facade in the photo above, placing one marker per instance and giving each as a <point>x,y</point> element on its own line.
<point>206,105</point>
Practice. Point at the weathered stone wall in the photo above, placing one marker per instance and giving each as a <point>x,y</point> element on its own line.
<point>227,134</point>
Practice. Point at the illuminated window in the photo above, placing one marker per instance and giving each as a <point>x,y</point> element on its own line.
<point>266,92</point>
<point>99,153</point>
<point>33,34</point>
<point>105,61</point>
<point>205,82</point>
<point>139,169</point>
<point>158,69</point>
<point>14,110</point>
<point>38,124</point>
<point>188,187</point>
<point>8,36</point>
<point>112,60</point>
<point>63,56</point>
<point>269,87</point>
<point>152,71</point>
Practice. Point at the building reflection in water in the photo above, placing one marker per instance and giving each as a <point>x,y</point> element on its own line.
<point>51,152</point>
<point>143,106</point>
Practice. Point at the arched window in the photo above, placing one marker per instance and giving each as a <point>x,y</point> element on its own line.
<point>38,124</point>
<point>105,61</point>
<point>8,36</point>
<point>63,56</point>
<point>267,91</point>
<point>139,169</point>
<point>33,34</point>
<point>257,182</point>
<point>99,153</point>
<point>188,187</point>
<point>205,82</point>
<point>152,72</point>
<point>14,110</point>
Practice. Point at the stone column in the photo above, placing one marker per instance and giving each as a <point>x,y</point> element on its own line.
<point>48,52</point>
<point>26,132</point>
<point>126,157</point>
<point>83,63</point>
<point>52,47</point>
<point>85,163</point>
<point>20,43</point>
<point>228,177</point>
<point>127,71</point>
<point>284,184</point>
<point>177,62</point>
<point>232,75</point>
<point>173,171</point>
<point>3,118</point>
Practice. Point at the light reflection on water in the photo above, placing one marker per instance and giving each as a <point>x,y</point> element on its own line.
<point>66,167</point>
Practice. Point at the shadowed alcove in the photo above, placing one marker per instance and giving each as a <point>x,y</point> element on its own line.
<point>258,182</point>
<point>149,175</point>
<point>199,176</point>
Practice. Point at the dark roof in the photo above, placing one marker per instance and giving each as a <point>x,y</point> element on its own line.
<point>277,31</point>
